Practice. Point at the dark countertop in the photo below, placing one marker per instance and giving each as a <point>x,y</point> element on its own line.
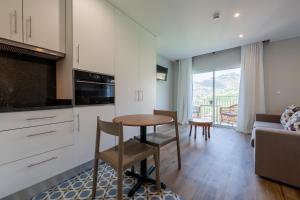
<point>4,110</point>
<point>57,104</point>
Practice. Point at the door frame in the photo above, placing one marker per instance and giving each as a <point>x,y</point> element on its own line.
<point>214,92</point>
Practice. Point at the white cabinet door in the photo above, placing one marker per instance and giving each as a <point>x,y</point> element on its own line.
<point>126,65</point>
<point>26,142</point>
<point>44,23</point>
<point>27,172</point>
<point>93,25</point>
<point>147,71</point>
<point>85,131</point>
<point>17,120</point>
<point>126,69</point>
<point>11,19</point>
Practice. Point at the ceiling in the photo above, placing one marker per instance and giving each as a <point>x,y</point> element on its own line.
<point>185,28</point>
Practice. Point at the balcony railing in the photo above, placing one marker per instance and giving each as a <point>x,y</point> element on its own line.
<point>225,112</point>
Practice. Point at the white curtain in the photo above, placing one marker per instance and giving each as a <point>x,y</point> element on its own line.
<point>184,93</point>
<point>252,95</point>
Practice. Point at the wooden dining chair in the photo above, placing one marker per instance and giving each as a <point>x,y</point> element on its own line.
<point>162,138</point>
<point>122,156</point>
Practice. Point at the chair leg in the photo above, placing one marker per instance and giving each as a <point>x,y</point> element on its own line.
<point>95,177</point>
<point>157,167</point>
<point>178,153</point>
<point>120,184</point>
<point>158,153</point>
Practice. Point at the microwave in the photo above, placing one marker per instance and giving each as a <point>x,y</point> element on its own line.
<point>93,88</point>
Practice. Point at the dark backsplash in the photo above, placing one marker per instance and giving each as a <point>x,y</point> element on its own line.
<point>26,81</point>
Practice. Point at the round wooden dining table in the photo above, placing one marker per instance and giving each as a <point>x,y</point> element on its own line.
<point>142,121</point>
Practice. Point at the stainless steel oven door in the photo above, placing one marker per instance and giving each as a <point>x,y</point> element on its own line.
<point>89,93</point>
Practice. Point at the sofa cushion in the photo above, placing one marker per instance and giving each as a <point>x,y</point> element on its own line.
<point>293,123</point>
<point>288,112</point>
<point>259,124</point>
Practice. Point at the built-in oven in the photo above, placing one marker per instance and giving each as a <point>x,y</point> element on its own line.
<point>93,88</point>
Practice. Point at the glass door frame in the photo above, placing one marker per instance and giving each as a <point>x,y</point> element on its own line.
<point>214,120</point>
<point>214,98</point>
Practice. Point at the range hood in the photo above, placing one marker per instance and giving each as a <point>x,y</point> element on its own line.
<point>25,49</point>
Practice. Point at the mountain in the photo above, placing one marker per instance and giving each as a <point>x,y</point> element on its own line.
<point>225,84</point>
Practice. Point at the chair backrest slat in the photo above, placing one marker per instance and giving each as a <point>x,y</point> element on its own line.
<point>115,129</point>
<point>110,128</point>
<point>168,113</point>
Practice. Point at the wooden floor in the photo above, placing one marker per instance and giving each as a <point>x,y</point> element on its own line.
<point>221,168</point>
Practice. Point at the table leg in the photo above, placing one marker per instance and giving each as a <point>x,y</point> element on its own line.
<point>143,176</point>
<point>205,128</point>
<point>191,130</point>
<point>195,132</point>
<point>132,169</point>
<point>209,132</point>
<point>143,136</point>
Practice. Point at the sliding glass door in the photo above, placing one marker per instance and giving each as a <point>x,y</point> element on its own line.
<point>215,96</point>
<point>203,96</point>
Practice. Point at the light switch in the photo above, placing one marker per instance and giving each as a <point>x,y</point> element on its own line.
<point>278,92</point>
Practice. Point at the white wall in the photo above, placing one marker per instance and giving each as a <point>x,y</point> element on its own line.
<point>164,89</point>
<point>282,71</point>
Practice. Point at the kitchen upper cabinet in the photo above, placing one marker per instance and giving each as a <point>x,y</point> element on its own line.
<point>11,19</point>
<point>93,26</point>
<point>135,59</point>
<point>85,125</point>
<point>126,69</point>
<point>147,72</point>
<point>126,65</point>
<point>44,23</point>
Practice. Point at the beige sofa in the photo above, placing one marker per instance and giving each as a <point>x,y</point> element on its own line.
<point>277,151</point>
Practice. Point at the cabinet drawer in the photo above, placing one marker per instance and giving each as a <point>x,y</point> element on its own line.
<point>34,118</point>
<point>22,143</point>
<point>25,173</point>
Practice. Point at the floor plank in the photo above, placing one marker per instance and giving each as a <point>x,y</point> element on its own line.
<point>220,169</point>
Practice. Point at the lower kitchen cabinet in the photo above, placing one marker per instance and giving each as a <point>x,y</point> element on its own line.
<point>27,172</point>
<point>34,146</point>
<point>27,142</point>
<point>18,120</point>
<point>85,126</point>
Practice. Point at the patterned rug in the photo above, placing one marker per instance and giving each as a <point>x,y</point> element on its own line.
<point>80,187</point>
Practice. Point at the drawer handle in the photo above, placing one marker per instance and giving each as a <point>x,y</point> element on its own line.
<point>38,118</point>
<point>15,21</point>
<point>30,28</point>
<point>37,134</point>
<point>78,125</point>
<point>78,51</point>
<point>41,162</point>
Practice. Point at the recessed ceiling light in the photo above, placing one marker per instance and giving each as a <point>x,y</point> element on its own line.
<point>216,15</point>
<point>241,35</point>
<point>236,15</point>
